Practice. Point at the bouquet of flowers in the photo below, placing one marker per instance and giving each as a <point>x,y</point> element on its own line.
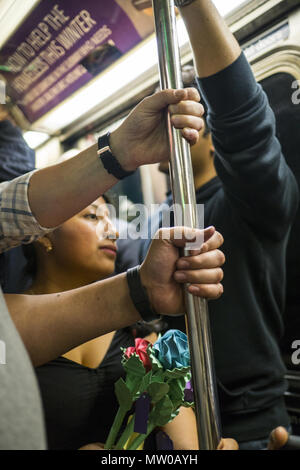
<point>157,384</point>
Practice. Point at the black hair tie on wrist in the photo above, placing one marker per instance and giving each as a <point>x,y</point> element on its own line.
<point>109,161</point>
<point>139,295</point>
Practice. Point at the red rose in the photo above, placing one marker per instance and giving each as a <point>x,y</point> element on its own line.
<point>140,349</point>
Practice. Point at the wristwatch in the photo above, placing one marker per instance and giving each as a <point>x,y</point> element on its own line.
<point>108,160</point>
<point>183,3</point>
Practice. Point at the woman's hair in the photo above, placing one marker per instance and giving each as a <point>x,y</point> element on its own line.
<point>142,328</point>
<point>31,260</point>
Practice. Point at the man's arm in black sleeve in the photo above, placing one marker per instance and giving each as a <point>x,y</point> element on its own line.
<point>249,161</point>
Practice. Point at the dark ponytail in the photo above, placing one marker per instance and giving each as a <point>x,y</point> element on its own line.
<point>31,258</point>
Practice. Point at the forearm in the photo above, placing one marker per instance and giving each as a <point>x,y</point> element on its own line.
<point>183,430</point>
<point>213,44</point>
<point>60,191</point>
<point>51,325</point>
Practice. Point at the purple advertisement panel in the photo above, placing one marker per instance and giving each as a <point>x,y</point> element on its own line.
<point>62,45</point>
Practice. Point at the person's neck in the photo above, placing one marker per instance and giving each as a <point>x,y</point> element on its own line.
<point>45,283</point>
<point>202,178</point>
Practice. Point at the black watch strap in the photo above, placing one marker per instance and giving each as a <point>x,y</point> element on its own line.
<point>183,3</point>
<point>139,295</point>
<point>293,443</point>
<point>109,161</point>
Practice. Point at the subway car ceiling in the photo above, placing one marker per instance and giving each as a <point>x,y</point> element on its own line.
<point>269,32</point>
<point>267,29</point>
<point>255,26</point>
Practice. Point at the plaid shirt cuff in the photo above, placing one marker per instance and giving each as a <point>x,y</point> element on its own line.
<point>17,223</point>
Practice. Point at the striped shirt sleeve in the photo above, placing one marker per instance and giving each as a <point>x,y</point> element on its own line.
<point>17,223</point>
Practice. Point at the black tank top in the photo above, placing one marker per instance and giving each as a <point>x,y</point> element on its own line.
<point>79,402</point>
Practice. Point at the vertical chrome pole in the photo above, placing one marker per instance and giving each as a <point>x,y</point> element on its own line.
<point>182,182</point>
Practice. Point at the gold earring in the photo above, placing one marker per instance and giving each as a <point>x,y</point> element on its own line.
<point>49,248</point>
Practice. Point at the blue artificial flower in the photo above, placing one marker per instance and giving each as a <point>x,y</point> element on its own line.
<point>172,350</point>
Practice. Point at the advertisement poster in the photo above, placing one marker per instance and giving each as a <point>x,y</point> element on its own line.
<point>63,45</point>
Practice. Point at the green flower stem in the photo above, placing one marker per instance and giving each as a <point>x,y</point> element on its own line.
<point>136,392</point>
<point>141,437</point>
<point>126,435</point>
<point>118,421</point>
<point>115,427</point>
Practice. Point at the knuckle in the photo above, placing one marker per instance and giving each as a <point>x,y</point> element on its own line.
<point>220,238</point>
<point>220,257</point>
<point>200,124</point>
<point>219,274</point>
<point>176,119</point>
<point>201,108</point>
<point>193,141</point>
<point>216,292</point>
<point>194,93</point>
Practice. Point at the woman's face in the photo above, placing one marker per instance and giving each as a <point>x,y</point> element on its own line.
<point>85,245</point>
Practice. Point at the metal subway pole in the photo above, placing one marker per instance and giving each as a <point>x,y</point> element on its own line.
<point>182,182</point>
